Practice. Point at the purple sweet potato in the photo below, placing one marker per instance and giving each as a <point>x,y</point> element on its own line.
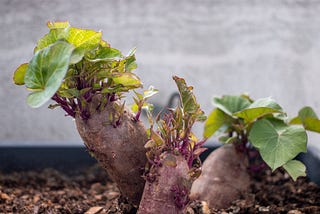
<point>169,192</point>
<point>119,147</point>
<point>224,178</point>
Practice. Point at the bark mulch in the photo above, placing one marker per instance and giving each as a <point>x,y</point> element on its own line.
<point>90,191</point>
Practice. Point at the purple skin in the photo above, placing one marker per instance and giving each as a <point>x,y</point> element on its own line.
<point>114,136</point>
<point>181,196</point>
<point>169,192</point>
<point>170,167</point>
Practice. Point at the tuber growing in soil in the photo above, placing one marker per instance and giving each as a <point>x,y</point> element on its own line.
<point>224,178</point>
<point>173,157</point>
<point>256,134</point>
<point>87,78</point>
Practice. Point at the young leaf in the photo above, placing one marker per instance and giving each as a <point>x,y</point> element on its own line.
<point>127,79</point>
<point>105,54</point>
<point>55,34</point>
<point>259,108</point>
<point>189,102</point>
<point>83,40</point>
<point>131,63</point>
<point>307,112</point>
<point>134,108</point>
<point>150,92</point>
<point>46,71</point>
<point>308,118</point>
<point>158,140</point>
<point>277,142</point>
<point>312,124</point>
<point>18,77</point>
<point>231,104</point>
<point>215,121</point>
<point>55,25</point>
<point>295,169</point>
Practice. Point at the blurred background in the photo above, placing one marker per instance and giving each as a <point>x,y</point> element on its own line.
<point>263,48</point>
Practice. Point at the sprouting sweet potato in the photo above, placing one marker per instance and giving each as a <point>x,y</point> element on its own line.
<point>119,148</point>
<point>224,178</point>
<point>173,153</point>
<point>169,192</point>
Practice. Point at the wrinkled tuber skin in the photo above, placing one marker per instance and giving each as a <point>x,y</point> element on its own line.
<point>163,195</point>
<point>119,148</point>
<point>224,178</point>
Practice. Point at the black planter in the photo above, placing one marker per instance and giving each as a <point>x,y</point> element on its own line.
<point>73,158</point>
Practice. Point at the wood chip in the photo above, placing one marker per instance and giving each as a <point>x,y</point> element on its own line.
<point>94,210</point>
<point>5,196</point>
<point>294,212</point>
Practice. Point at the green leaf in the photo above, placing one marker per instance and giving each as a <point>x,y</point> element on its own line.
<point>312,124</point>
<point>131,63</point>
<point>84,41</point>
<point>188,99</point>
<point>105,54</point>
<point>150,92</point>
<point>55,25</point>
<point>259,108</point>
<point>54,35</point>
<point>69,93</point>
<point>134,108</point>
<point>127,80</point>
<point>156,140</point>
<point>231,104</point>
<point>307,112</point>
<point>295,121</point>
<point>215,121</point>
<point>295,169</point>
<point>277,142</point>
<point>46,71</point>
<point>18,77</point>
<point>308,118</point>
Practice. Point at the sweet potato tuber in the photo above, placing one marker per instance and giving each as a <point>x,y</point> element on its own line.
<point>173,154</point>
<point>169,192</point>
<point>224,178</point>
<point>118,148</point>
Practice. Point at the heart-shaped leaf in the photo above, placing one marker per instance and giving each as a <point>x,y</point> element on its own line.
<point>46,71</point>
<point>215,121</point>
<point>308,118</point>
<point>295,169</point>
<point>231,104</point>
<point>83,40</point>
<point>259,108</point>
<point>277,142</point>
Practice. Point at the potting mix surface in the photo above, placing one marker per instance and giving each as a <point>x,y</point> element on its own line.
<point>90,191</point>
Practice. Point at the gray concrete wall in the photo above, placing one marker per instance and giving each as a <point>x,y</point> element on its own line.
<point>264,48</point>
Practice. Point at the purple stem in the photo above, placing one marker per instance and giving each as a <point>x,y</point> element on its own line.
<point>64,105</point>
<point>257,168</point>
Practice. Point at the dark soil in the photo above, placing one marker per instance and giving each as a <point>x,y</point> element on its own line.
<point>90,191</point>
